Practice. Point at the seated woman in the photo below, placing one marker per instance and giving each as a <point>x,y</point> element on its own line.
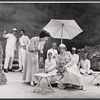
<point>3,79</point>
<point>50,64</point>
<point>72,74</point>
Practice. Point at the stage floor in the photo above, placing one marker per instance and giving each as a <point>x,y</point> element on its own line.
<point>16,89</point>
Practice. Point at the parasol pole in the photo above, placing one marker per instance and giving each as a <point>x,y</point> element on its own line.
<point>62,33</point>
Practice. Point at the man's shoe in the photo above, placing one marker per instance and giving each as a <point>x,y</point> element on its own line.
<point>11,70</point>
<point>19,70</point>
<point>28,83</point>
<point>6,70</point>
<point>98,84</point>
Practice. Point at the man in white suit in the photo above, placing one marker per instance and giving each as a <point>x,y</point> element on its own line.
<point>75,56</point>
<point>53,51</point>
<point>85,65</point>
<point>23,46</point>
<point>10,48</point>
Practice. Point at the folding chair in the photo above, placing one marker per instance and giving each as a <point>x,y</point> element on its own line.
<point>96,76</point>
<point>60,71</point>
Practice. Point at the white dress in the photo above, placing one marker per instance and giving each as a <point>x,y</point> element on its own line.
<point>50,66</point>
<point>72,74</point>
<point>31,65</point>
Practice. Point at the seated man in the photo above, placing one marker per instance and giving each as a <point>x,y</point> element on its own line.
<point>85,66</point>
<point>53,51</point>
<point>50,64</point>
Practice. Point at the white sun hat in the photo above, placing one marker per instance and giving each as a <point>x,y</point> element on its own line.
<point>14,29</point>
<point>62,45</point>
<point>73,48</point>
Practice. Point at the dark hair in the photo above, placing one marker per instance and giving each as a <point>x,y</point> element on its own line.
<point>44,34</point>
<point>49,53</point>
<point>22,30</point>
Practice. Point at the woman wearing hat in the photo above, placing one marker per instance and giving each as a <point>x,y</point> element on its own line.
<point>31,57</point>
<point>72,74</point>
<point>50,64</point>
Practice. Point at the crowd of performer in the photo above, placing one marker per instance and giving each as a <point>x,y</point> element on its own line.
<point>66,63</point>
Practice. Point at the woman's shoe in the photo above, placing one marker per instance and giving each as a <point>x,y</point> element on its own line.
<point>32,83</point>
<point>61,86</point>
<point>28,83</point>
<point>84,88</point>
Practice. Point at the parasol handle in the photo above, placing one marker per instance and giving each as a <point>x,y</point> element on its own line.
<point>62,33</point>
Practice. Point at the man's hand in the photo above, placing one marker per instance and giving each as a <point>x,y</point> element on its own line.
<point>24,47</point>
<point>41,51</point>
<point>5,32</point>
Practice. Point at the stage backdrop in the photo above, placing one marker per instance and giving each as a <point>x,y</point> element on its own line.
<point>33,17</point>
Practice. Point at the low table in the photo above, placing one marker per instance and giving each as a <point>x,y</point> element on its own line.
<point>46,76</point>
<point>96,76</point>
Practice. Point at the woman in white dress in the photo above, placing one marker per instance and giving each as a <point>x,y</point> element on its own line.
<point>31,57</point>
<point>72,74</point>
<point>50,64</point>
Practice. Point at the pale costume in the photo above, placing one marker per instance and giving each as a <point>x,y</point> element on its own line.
<point>3,79</point>
<point>10,48</point>
<point>50,66</point>
<point>31,60</point>
<point>85,66</point>
<point>75,58</point>
<point>23,46</point>
<point>72,74</point>
<point>54,52</point>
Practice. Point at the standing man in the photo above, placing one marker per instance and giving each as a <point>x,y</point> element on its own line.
<point>75,56</point>
<point>10,48</point>
<point>53,51</point>
<point>23,46</point>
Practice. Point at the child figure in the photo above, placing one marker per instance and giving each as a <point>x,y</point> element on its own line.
<point>3,79</point>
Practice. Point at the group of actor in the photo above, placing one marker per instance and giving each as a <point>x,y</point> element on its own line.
<point>29,59</point>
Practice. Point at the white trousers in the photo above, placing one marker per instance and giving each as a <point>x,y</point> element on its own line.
<point>9,58</point>
<point>84,71</point>
<point>21,58</point>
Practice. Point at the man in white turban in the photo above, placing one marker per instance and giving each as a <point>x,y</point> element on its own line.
<point>75,56</point>
<point>85,66</point>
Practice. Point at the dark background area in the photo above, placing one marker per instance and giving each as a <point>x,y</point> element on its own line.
<point>32,17</point>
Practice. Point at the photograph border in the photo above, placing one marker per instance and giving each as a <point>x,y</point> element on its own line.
<point>49,1</point>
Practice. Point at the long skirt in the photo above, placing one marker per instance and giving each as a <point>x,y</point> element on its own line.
<point>3,79</point>
<point>72,76</point>
<point>30,66</point>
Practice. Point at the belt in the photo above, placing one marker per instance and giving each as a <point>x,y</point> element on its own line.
<point>22,46</point>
